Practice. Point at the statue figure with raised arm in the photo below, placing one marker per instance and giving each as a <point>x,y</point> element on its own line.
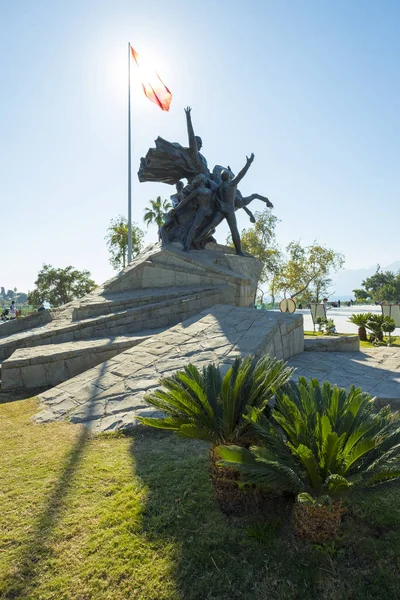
<point>170,162</point>
<point>195,145</point>
<point>225,205</point>
<point>204,202</point>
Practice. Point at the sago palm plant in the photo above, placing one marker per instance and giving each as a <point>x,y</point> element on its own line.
<point>319,444</point>
<point>208,406</point>
<point>361,320</point>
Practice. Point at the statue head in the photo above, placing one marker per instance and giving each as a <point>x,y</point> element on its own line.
<point>179,186</point>
<point>225,175</point>
<point>200,179</point>
<point>199,142</point>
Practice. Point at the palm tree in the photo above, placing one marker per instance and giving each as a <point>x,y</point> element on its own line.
<point>361,320</point>
<point>207,406</point>
<point>319,444</point>
<point>155,212</point>
<point>117,241</point>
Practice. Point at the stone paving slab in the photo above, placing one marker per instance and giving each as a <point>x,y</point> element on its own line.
<point>374,370</point>
<point>111,395</point>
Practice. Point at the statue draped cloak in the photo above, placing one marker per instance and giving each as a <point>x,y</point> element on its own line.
<point>169,162</point>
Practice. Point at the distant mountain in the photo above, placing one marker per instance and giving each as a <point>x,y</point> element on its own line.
<point>348,280</point>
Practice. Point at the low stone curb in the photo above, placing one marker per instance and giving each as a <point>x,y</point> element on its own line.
<point>341,343</point>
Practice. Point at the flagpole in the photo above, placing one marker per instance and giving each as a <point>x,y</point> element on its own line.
<point>129,160</point>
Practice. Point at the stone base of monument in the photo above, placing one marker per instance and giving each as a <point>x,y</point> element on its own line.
<point>161,287</point>
<point>169,266</point>
<point>112,395</point>
<point>167,308</point>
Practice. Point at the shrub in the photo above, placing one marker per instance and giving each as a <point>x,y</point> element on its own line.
<point>388,326</point>
<point>207,406</point>
<point>320,443</point>
<point>361,320</point>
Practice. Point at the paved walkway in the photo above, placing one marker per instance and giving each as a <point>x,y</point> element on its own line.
<point>376,371</point>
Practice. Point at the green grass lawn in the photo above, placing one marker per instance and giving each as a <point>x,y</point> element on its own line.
<point>119,517</point>
<point>317,333</point>
<point>395,343</point>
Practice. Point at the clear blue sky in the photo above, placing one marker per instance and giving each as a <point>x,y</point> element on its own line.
<point>311,87</point>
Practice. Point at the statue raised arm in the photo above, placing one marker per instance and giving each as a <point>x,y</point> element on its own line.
<point>243,171</point>
<point>195,145</point>
<point>194,150</point>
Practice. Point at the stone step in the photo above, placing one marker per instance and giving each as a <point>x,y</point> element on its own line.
<point>148,316</point>
<point>50,365</point>
<point>108,303</point>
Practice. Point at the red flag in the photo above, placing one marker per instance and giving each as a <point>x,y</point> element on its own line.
<point>153,86</point>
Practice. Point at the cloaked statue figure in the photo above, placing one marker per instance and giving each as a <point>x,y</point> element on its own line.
<point>169,162</point>
<point>205,201</point>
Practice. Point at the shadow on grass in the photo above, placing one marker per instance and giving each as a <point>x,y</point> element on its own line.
<point>216,557</point>
<point>257,557</point>
<point>37,547</point>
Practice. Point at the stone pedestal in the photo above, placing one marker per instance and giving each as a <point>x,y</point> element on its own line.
<point>170,266</point>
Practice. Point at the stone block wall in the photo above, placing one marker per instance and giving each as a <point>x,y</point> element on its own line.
<point>36,319</point>
<point>46,367</point>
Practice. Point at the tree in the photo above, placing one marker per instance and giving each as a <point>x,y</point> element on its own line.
<point>361,295</point>
<point>306,266</point>
<point>22,298</point>
<point>317,290</point>
<point>382,286</point>
<point>260,241</point>
<point>155,212</point>
<point>117,241</point>
<point>59,286</point>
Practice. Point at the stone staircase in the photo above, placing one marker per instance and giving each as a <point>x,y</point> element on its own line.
<point>114,316</point>
<point>160,288</point>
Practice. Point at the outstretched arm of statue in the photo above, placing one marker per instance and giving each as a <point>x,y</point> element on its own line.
<point>192,138</point>
<point>243,172</point>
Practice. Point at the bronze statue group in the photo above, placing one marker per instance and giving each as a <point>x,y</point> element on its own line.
<point>207,198</point>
